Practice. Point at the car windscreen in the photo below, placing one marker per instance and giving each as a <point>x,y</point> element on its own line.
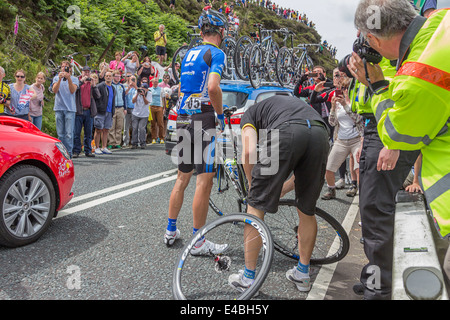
<point>269,94</point>
<point>233,98</point>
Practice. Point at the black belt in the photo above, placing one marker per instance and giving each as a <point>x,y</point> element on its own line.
<point>120,107</point>
<point>308,123</point>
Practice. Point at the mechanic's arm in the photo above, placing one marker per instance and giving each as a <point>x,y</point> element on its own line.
<point>249,153</point>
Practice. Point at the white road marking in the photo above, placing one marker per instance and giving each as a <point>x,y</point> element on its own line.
<point>323,279</point>
<point>114,196</point>
<point>121,186</point>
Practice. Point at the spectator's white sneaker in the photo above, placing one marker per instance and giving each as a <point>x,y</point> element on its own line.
<point>106,151</point>
<point>340,184</point>
<point>208,248</point>
<point>98,151</point>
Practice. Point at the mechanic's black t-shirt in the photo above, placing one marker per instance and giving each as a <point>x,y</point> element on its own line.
<point>272,112</point>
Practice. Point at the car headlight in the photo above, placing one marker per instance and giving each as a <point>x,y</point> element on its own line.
<point>63,150</point>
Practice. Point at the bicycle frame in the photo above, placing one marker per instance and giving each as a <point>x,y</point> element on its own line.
<point>242,191</point>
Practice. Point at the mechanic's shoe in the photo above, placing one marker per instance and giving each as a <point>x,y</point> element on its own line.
<point>330,194</point>
<point>169,240</point>
<point>208,248</point>
<point>303,285</point>
<point>236,281</point>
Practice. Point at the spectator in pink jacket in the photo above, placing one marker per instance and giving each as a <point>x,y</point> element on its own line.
<point>117,64</point>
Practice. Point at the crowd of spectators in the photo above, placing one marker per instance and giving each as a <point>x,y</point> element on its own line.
<point>123,104</point>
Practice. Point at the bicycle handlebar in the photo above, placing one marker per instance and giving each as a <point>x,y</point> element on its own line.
<point>71,55</point>
<point>228,112</point>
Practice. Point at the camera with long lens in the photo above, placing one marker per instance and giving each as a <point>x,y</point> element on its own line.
<point>362,48</point>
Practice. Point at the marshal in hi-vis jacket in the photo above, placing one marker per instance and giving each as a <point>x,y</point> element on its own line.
<point>413,109</point>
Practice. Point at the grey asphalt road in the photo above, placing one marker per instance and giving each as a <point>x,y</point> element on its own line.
<point>107,242</point>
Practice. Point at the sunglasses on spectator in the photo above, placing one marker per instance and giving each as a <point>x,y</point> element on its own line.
<point>337,75</point>
<point>23,77</point>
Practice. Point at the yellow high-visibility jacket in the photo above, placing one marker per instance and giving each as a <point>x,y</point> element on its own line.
<point>413,110</point>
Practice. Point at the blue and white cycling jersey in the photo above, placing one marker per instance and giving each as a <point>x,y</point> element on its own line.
<point>197,65</point>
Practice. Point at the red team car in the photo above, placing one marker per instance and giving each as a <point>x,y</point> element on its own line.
<point>36,178</point>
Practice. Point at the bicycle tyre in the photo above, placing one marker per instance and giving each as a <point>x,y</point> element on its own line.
<point>270,67</point>
<point>284,67</point>
<point>256,66</point>
<point>228,46</point>
<point>193,273</point>
<point>332,242</point>
<point>178,57</point>
<point>241,56</point>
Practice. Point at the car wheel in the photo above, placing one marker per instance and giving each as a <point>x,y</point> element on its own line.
<point>27,205</point>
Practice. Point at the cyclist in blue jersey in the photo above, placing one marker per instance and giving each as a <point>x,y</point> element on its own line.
<point>199,96</point>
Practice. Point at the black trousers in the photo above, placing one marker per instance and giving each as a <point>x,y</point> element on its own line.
<point>377,208</point>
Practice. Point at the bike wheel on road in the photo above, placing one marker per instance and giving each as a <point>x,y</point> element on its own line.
<point>332,242</point>
<point>206,277</point>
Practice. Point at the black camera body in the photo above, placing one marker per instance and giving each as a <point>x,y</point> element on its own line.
<point>365,51</point>
<point>362,48</point>
<point>66,69</point>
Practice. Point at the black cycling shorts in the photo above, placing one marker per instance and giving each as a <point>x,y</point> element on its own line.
<point>196,142</point>
<point>301,149</point>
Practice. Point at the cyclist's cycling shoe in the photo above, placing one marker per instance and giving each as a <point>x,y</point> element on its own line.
<point>236,281</point>
<point>208,248</point>
<point>303,285</point>
<point>169,240</point>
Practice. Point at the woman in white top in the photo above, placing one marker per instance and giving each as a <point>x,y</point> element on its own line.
<point>349,129</point>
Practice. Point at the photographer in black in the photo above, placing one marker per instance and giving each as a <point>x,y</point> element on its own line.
<point>302,89</point>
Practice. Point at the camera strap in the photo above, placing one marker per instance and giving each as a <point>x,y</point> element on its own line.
<point>367,77</point>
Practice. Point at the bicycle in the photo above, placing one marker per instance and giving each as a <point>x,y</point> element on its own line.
<point>194,40</point>
<point>289,66</point>
<point>262,58</point>
<point>241,54</point>
<point>278,231</point>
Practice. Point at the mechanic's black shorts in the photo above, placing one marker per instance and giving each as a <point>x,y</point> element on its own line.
<point>196,142</point>
<point>160,50</point>
<point>303,150</point>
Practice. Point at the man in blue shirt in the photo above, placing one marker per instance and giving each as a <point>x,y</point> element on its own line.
<point>115,133</point>
<point>199,96</point>
<point>64,86</point>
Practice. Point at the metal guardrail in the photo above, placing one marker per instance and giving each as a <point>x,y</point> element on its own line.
<point>417,273</point>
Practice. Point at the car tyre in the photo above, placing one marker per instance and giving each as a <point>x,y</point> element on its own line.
<point>27,205</point>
